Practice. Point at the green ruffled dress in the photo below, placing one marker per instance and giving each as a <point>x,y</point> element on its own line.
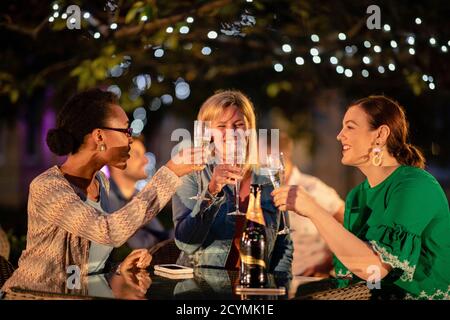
<point>406,220</point>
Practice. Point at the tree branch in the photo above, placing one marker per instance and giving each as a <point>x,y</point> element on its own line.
<point>160,23</point>
<point>30,32</point>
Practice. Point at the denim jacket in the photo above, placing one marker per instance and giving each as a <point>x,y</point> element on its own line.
<point>204,232</point>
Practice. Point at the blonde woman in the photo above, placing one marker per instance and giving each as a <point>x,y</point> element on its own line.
<point>204,230</point>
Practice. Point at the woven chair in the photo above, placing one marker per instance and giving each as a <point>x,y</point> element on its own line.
<point>164,252</point>
<point>4,244</point>
<point>22,294</point>
<point>358,291</point>
<point>6,270</point>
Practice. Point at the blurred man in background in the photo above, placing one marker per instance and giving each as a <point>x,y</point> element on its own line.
<point>311,254</point>
<point>122,190</point>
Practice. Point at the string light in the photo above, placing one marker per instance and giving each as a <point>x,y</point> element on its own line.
<point>159,53</point>
<point>300,61</point>
<point>51,19</point>
<point>212,35</point>
<point>333,60</point>
<point>342,36</point>
<point>278,67</point>
<point>286,48</point>
<point>184,30</point>
<point>206,51</point>
<point>314,52</point>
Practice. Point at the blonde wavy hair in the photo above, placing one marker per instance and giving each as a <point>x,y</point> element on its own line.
<point>214,106</point>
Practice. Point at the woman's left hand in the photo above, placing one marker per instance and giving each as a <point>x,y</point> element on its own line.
<point>137,259</point>
<point>294,198</point>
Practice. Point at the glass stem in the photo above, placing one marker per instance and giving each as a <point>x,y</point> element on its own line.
<point>237,197</point>
<point>199,183</point>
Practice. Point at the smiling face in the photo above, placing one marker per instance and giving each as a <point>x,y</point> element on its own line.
<point>357,138</point>
<point>117,143</point>
<point>230,119</point>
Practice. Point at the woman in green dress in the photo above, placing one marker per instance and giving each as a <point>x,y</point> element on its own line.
<point>397,222</point>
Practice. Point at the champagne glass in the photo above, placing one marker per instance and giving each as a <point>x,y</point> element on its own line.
<point>238,150</point>
<point>202,139</point>
<point>276,171</point>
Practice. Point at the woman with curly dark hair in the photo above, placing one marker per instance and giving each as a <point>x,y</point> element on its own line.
<point>69,224</point>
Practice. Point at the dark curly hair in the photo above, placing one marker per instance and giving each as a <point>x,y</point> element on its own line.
<point>81,114</point>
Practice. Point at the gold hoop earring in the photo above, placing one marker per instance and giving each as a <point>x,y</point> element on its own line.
<point>377,158</point>
<point>101,147</point>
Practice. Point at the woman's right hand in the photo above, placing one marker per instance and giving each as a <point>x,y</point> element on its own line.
<point>187,160</point>
<point>224,174</point>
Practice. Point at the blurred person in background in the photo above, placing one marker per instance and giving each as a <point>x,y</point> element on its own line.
<point>123,187</point>
<point>312,257</point>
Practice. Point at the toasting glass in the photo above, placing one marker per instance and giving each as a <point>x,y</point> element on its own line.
<point>275,169</point>
<point>202,139</point>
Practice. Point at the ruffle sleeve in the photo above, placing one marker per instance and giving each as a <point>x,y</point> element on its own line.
<point>397,247</point>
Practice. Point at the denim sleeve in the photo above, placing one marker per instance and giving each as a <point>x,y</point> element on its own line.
<point>282,256</point>
<point>192,218</point>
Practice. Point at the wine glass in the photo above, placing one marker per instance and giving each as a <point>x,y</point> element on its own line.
<point>275,169</point>
<point>238,151</point>
<point>202,139</point>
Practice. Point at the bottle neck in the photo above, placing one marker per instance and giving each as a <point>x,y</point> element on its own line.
<point>254,212</point>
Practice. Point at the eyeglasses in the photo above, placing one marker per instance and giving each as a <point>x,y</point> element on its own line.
<point>127,131</point>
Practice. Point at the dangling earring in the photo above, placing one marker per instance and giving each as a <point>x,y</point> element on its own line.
<point>377,156</point>
<point>102,147</point>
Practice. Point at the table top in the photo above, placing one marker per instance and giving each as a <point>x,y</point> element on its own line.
<point>204,284</point>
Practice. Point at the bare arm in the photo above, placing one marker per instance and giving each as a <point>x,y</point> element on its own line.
<point>354,253</point>
<point>339,215</point>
